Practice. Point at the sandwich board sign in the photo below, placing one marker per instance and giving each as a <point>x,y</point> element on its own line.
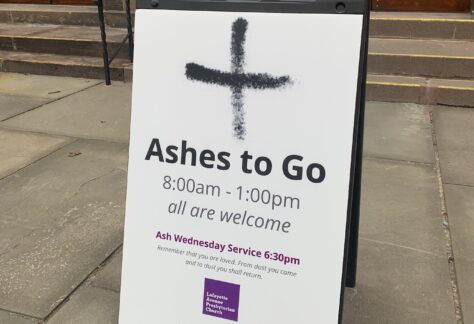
<point>243,137</point>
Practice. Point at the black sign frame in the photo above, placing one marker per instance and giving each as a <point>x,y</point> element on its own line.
<point>360,7</point>
<point>285,6</point>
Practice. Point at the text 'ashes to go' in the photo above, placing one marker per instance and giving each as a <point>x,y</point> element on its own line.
<point>244,120</point>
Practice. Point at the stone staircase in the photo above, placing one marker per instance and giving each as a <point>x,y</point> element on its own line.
<point>413,57</point>
<point>421,58</point>
<point>60,40</point>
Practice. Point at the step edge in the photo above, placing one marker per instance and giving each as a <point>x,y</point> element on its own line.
<point>414,85</point>
<point>422,38</point>
<point>423,19</point>
<point>31,7</point>
<point>429,40</point>
<point>386,83</point>
<point>455,88</point>
<point>426,83</point>
<point>422,55</point>
<point>61,38</point>
<point>114,65</point>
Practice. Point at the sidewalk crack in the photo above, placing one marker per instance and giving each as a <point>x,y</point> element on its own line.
<point>447,232</point>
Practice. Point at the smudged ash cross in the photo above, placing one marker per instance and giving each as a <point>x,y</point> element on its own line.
<point>236,80</point>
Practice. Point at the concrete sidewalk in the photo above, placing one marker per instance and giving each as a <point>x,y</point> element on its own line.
<point>63,147</point>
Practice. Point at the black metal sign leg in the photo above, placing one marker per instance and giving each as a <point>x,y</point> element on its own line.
<point>105,52</point>
<point>352,253</point>
<point>355,210</point>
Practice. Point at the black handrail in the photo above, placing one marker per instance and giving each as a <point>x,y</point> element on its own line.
<point>103,35</point>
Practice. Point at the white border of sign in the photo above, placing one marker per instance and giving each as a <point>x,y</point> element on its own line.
<point>356,135</point>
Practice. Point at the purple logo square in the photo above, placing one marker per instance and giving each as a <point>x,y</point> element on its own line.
<point>221,299</point>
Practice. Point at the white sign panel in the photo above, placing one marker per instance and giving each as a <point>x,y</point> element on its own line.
<point>240,154</point>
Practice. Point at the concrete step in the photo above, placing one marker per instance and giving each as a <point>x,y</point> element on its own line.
<point>58,15</point>
<point>379,87</point>
<point>68,40</point>
<point>420,90</point>
<point>383,24</point>
<point>454,26</point>
<point>61,65</point>
<point>430,58</point>
<point>415,57</point>
<point>401,68</point>
<point>393,88</point>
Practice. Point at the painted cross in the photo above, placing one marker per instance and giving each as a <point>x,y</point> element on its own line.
<point>237,79</point>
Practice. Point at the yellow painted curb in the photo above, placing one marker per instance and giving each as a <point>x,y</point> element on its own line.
<point>456,88</point>
<point>394,84</point>
<point>424,55</point>
<point>426,19</point>
<point>46,37</point>
<point>415,85</point>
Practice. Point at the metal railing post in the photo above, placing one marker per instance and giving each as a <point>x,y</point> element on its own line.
<point>130,30</point>
<point>105,52</point>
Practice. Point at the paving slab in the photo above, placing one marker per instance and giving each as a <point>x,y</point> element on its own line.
<point>465,276</point>
<point>18,149</point>
<point>68,211</point>
<point>400,206</point>
<point>89,306</point>
<point>14,105</point>
<point>460,205</point>
<point>398,131</point>
<point>101,112</point>
<point>42,86</point>
<point>109,276</point>
<point>455,133</point>
<point>397,285</point>
<point>10,318</point>
<point>12,235</point>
